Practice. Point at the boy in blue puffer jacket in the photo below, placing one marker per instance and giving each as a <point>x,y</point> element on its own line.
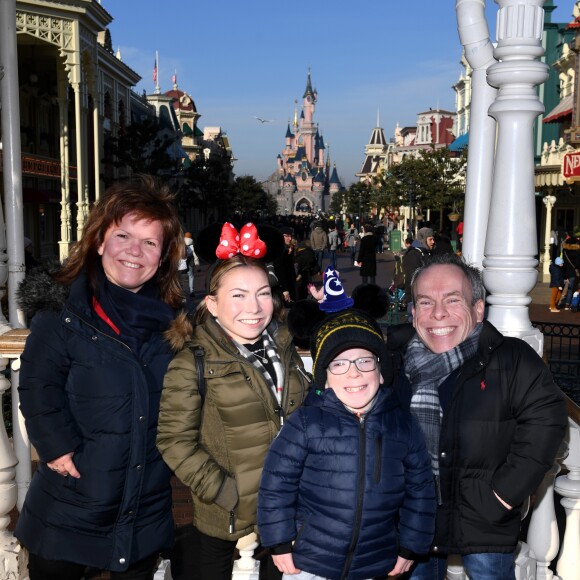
<point>347,488</point>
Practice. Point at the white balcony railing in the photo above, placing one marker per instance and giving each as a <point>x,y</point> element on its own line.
<point>532,560</point>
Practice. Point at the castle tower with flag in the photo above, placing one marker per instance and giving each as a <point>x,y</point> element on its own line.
<point>307,180</point>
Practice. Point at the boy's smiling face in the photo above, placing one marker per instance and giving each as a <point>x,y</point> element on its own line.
<point>355,389</point>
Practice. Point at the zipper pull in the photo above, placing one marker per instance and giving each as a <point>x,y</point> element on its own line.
<point>232,527</point>
<point>306,375</point>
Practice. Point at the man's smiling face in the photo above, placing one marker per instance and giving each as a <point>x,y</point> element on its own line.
<point>443,313</point>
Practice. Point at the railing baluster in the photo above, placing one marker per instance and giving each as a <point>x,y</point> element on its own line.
<point>11,565</point>
<point>568,486</point>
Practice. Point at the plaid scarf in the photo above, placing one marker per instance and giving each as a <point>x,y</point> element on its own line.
<point>426,370</point>
<point>276,384</point>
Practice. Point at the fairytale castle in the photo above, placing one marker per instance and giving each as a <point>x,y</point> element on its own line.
<point>307,181</point>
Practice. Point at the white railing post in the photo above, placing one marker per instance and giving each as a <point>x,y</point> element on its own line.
<point>549,202</point>
<point>568,486</point>
<point>247,567</point>
<point>11,563</point>
<point>455,570</point>
<point>510,247</point>
<point>20,441</point>
<point>543,538</point>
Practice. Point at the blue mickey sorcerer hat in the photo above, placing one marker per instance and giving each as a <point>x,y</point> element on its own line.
<point>335,298</point>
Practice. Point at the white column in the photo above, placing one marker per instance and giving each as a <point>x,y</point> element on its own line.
<point>97,146</point>
<point>11,151</point>
<point>568,486</point>
<point>80,140</point>
<point>474,35</point>
<point>510,246</point>
<point>64,144</point>
<point>549,202</point>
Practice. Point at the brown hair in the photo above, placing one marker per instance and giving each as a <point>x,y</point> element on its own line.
<point>216,277</point>
<point>147,198</point>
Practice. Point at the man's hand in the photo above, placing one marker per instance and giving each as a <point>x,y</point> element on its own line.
<point>285,563</point>
<point>402,565</point>
<point>64,465</point>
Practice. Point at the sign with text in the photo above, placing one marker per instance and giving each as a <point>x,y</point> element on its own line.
<point>571,166</point>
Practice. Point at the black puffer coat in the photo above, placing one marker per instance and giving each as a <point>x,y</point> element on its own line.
<point>505,422</point>
<point>83,390</point>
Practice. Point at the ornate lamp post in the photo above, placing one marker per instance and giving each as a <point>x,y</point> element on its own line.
<point>549,202</point>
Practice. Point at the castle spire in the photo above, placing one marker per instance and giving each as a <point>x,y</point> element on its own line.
<point>308,90</point>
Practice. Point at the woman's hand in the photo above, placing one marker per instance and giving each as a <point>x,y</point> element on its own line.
<point>64,465</point>
<point>401,566</point>
<point>285,563</point>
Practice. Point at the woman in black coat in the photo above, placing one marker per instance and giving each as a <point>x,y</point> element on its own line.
<point>90,385</point>
<point>367,257</point>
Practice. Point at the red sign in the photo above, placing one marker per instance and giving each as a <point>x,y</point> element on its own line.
<point>571,166</point>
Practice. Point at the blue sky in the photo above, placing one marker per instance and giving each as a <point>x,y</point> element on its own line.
<point>239,60</point>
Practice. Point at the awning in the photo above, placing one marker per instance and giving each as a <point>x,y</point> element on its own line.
<point>460,143</point>
<point>561,110</point>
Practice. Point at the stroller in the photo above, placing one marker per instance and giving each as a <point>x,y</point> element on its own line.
<point>396,290</point>
<point>397,302</point>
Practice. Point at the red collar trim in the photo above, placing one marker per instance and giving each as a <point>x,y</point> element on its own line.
<point>99,310</point>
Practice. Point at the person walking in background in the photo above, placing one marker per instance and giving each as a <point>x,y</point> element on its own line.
<point>306,267</point>
<point>318,243</point>
<point>414,258</point>
<point>350,462</point>
<point>351,241</point>
<point>556,283</point>
<point>571,257</point>
<point>90,384</point>
<point>367,256</point>
<point>192,262</point>
<point>284,268</point>
<point>333,242</point>
<point>379,231</point>
<point>221,410</point>
<point>491,413</point>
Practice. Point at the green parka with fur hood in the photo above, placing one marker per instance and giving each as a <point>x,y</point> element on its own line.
<point>217,446</point>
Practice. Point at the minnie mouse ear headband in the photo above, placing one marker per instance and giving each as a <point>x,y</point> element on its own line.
<point>246,242</point>
<point>225,240</point>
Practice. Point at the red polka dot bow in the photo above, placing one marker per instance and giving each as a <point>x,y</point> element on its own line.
<point>246,242</point>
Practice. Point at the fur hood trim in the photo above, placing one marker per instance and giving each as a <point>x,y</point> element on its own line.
<point>40,291</point>
<point>179,331</point>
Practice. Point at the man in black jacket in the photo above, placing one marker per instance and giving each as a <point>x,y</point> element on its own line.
<point>491,414</point>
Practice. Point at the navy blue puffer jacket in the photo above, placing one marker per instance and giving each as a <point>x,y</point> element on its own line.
<point>340,488</point>
<point>83,390</point>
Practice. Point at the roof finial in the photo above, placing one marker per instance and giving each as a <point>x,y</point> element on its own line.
<point>174,80</point>
<point>378,117</point>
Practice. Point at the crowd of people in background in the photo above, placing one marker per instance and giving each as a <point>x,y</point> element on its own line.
<point>391,454</point>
